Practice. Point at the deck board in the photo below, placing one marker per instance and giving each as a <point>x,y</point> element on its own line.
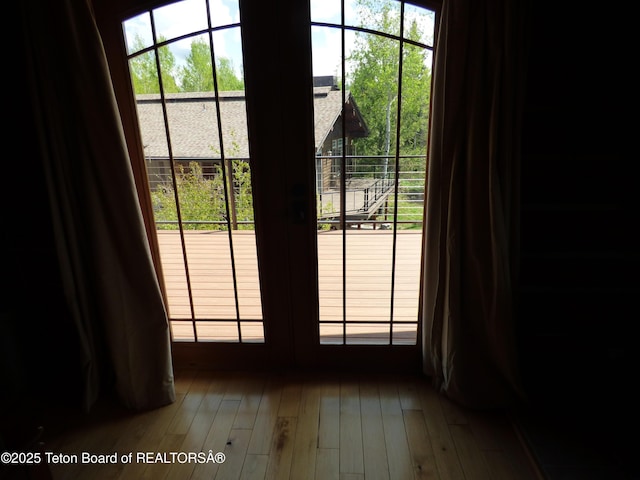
<point>368,287</point>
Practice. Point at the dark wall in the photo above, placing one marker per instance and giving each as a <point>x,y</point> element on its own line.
<point>579,286</point>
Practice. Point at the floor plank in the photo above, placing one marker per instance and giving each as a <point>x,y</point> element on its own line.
<point>394,431</point>
<point>266,419</point>
<point>217,438</point>
<point>422,456</point>
<point>469,453</point>
<point>351,448</point>
<point>329,424</point>
<point>306,444</point>
<point>444,449</point>
<point>328,464</point>
<point>373,435</point>
<point>281,454</point>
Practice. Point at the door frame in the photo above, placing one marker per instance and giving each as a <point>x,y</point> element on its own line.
<point>283,190</point>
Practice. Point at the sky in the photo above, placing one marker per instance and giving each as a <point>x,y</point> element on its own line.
<point>188,16</point>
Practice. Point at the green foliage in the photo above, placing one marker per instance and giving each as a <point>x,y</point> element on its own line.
<point>243,193</point>
<point>168,68</point>
<point>322,209</point>
<point>144,74</point>
<point>144,71</point>
<point>195,76</point>
<point>374,65</point>
<point>202,199</point>
<point>227,79</point>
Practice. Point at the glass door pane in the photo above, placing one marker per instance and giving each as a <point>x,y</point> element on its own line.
<point>186,67</point>
<point>372,73</point>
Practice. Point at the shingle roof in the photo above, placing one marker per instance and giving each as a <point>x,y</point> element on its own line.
<point>193,125</point>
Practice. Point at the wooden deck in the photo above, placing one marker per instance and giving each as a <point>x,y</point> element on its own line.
<point>368,285</point>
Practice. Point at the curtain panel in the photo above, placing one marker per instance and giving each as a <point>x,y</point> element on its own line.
<point>107,271</point>
<point>472,207</point>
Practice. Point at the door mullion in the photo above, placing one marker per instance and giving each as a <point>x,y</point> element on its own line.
<point>280,115</point>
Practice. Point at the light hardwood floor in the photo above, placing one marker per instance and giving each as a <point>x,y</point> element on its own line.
<point>297,426</point>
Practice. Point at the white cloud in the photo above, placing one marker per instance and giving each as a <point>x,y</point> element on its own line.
<point>326,53</point>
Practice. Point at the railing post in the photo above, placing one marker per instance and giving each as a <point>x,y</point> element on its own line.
<point>232,195</point>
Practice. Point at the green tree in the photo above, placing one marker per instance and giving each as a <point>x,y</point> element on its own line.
<point>373,81</point>
<point>144,71</point>
<point>227,79</point>
<point>374,76</point>
<point>196,75</point>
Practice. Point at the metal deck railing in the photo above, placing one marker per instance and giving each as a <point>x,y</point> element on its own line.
<point>369,190</point>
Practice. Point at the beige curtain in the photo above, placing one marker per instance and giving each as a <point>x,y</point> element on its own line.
<point>108,276</point>
<point>472,206</point>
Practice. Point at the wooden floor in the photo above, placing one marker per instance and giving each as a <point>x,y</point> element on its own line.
<point>297,427</point>
<point>369,265</point>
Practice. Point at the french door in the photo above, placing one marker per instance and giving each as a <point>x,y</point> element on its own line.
<point>281,154</point>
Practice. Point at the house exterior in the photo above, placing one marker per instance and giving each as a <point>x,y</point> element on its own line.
<point>328,131</point>
<point>193,129</point>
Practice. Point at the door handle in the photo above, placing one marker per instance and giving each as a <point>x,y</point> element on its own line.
<point>299,204</point>
<point>299,210</point>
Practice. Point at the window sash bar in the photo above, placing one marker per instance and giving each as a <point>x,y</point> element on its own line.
<point>173,176</point>
<point>225,176</point>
